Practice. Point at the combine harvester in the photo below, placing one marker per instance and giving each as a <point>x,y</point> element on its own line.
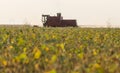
<point>57,21</point>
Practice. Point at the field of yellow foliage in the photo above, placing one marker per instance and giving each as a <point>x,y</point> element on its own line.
<point>59,50</point>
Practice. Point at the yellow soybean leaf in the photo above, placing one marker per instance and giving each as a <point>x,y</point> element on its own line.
<point>46,49</point>
<point>23,56</point>
<point>94,52</point>
<point>10,47</point>
<point>27,61</point>
<point>97,65</point>
<point>12,41</point>
<point>46,60</point>
<point>53,58</point>
<point>16,59</point>
<point>37,54</point>
<point>62,46</point>
<point>51,71</point>
<point>75,72</point>
<point>21,41</point>
<point>80,55</point>
<point>4,62</point>
<point>97,68</point>
<point>36,66</point>
<point>24,49</point>
<point>53,36</point>
<point>33,36</point>
<point>113,68</point>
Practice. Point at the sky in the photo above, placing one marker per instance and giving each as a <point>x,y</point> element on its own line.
<point>86,12</point>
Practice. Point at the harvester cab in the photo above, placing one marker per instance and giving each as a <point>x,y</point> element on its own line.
<point>44,19</point>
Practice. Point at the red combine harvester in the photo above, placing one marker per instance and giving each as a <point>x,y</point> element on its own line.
<point>57,21</point>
